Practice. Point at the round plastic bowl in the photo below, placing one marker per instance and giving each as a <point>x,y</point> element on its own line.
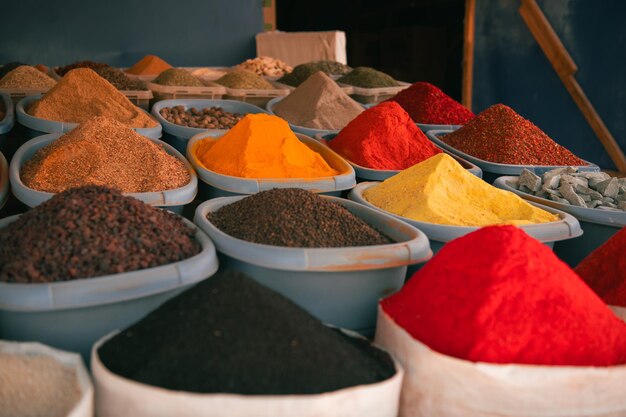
<point>178,136</point>
<point>599,225</point>
<point>37,126</point>
<point>371,174</point>
<point>7,123</point>
<point>213,184</point>
<point>72,315</point>
<point>438,234</point>
<point>424,127</point>
<point>314,133</point>
<point>492,170</point>
<point>340,286</point>
<point>173,200</point>
<point>4,180</point>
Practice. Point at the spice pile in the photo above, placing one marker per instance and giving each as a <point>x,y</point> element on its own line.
<point>35,386</point>
<point>82,94</point>
<point>383,137</point>
<point>90,232</point>
<point>61,71</point>
<point>120,80</point>
<point>149,65</point>
<point>262,146</point>
<point>243,79</point>
<point>427,104</point>
<point>604,270</point>
<point>229,334</point>
<point>318,103</point>
<point>265,65</point>
<point>8,67</point>
<point>103,151</point>
<point>582,189</point>
<point>295,218</point>
<point>366,77</point>
<point>500,135</point>
<point>439,190</point>
<point>27,77</point>
<point>206,118</point>
<point>178,77</point>
<point>208,73</point>
<point>302,72</point>
<point>499,296</point>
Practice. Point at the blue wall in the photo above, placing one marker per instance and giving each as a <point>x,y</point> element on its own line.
<point>510,68</point>
<point>184,33</point>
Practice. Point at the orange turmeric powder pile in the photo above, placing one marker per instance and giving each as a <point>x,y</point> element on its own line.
<point>149,65</point>
<point>262,146</point>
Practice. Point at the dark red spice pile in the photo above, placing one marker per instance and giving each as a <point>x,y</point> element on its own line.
<point>427,104</point>
<point>500,135</point>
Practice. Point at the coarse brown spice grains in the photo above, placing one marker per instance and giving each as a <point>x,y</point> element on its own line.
<point>27,77</point>
<point>103,151</point>
<point>294,217</point>
<point>243,79</point>
<point>120,80</point>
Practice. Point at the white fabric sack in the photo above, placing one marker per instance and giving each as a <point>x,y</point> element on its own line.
<point>84,406</point>
<point>296,48</point>
<point>117,396</point>
<point>437,385</point>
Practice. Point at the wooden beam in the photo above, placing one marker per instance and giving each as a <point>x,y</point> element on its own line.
<point>468,53</point>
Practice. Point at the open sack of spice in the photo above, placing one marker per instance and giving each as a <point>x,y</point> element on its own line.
<point>232,347</point>
<point>496,325</point>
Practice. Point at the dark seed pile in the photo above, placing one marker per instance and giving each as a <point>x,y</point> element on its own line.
<point>366,77</point>
<point>206,118</point>
<point>89,232</point>
<point>120,80</point>
<point>80,64</point>
<point>295,218</point>
<point>302,72</point>
<point>8,67</point>
<point>229,334</point>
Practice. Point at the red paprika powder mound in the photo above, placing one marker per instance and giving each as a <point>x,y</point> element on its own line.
<point>497,295</point>
<point>383,137</point>
<point>427,104</point>
<point>604,270</point>
<point>500,135</point>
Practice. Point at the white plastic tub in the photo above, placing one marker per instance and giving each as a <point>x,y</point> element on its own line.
<point>173,200</point>
<point>258,97</point>
<point>375,95</point>
<point>72,315</point>
<point>492,170</point>
<point>178,136</point>
<point>438,234</point>
<point>119,396</point>
<point>214,185</point>
<point>210,91</point>
<point>598,225</point>
<point>6,124</point>
<point>84,407</point>
<point>339,286</point>
<point>371,174</point>
<point>36,126</point>
<point>424,127</point>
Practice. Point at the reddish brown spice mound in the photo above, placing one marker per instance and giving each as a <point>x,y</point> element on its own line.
<point>500,135</point>
<point>427,104</point>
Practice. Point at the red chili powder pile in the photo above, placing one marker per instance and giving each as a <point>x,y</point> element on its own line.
<point>383,137</point>
<point>500,135</point>
<point>498,295</point>
<point>604,270</point>
<point>427,104</point>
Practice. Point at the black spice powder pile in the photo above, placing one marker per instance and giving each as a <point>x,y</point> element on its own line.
<point>229,334</point>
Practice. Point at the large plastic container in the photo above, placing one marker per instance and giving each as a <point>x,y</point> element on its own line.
<point>348,89</point>
<point>340,286</point>
<point>173,200</point>
<point>6,124</point>
<point>84,406</point>
<point>492,170</point>
<point>4,180</point>
<point>599,225</point>
<point>210,91</point>
<point>438,234</point>
<point>120,396</point>
<point>314,133</point>
<point>36,126</point>
<point>370,174</point>
<point>375,95</point>
<point>178,136</point>
<point>213,185</point>
<point>72,315</point>
<point>424,127</point>
<point>258,97</point>
<point>16,94</point>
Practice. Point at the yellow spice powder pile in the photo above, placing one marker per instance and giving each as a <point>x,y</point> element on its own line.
<point>439,190</point>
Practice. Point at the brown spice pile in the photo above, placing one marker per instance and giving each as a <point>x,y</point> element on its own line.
<point>27,77</point>
<point>82,94</point>
<point>103,151</point>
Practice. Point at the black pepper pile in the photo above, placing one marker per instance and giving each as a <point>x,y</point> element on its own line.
<point>294,217</point>
<point>206,118</point>
<point>120,80</point>
<point>229,334</point>
<point>61,71</point>
<point>88,232</point>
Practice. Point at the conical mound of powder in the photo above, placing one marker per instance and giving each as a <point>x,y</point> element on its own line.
<point>262,146</point>
<point>26,76</point>
<point>318,103</point>
<point>83,94</point>
<point>102,151</point>
<point>149,65</point>
<point>439,190</point>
